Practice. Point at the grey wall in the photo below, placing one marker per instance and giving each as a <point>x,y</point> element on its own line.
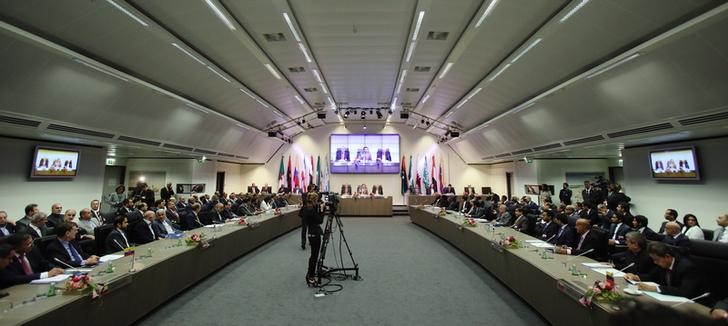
<point>17,190</point>
<point>706,198</point>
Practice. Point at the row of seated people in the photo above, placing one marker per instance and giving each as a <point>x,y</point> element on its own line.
<point>361,190</point>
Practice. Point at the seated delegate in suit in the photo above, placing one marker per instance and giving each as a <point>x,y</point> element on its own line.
<point>521,223</point>
<point>37,227</point>
<point>639,224</point>
<point>691,228</point>
<point>6,257</point>
<point>192,219</point>
<point>66,249</point>
<point>617,230</point>
<point>673,236</point>
<point>163,227</point>
<point>503,217</point>
<point>636,254</point>
<point>143,231</point>
<point>27,264</point>
<point>6,227</point>
<point>565,235</point>
<point>138,214</point>
<point>87,222</point>
<point>670,216</point>
<point>117,239</point>
<point>586,240</point>
<point>549,228</point>
<point>675,274</point>
<point>721,234</point>
<point>56,216</point>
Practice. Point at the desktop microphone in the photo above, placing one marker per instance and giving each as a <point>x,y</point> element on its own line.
<point>549,239</point>
<point>628,266</point>
<point>581,254</point>
<point>119,244</point>
<point>62,262</point>
<point>693,299</point>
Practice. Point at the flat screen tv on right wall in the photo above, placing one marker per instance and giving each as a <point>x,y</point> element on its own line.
<point>674,164</point>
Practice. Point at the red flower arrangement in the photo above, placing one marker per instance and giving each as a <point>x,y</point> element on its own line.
<point>83,282</point>
<point>197,240</point>
<point>601,291</point>
<point>242,221</point>
<point>510,242</point>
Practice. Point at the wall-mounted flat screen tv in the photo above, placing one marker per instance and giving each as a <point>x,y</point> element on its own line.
<point>364,153</point>
<point>674,164</point>
<point>51,162</point>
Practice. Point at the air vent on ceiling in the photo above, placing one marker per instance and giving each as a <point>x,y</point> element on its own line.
<point>319,103</point>
<point>80,131</point>
<point>641,130</point>
<point>422,68</point>
<point>522,152</point>
<point>584,140</point>
<point>19,121</point>
<point>242,157</point>
<point>296,69</point>
<point>226,154</point>
<point>503,155</point>
<point>274,37</point>
<point>173,146</point>
<point>310,89</point>
<point>139,141</point>
<point>204,151</point>
<point>437,36</point>
<point>545,147</point>
<point>704,118</point>
<point>488,158</point>
<point>413,89</point>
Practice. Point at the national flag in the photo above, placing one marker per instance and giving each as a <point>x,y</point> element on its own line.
<point>434,176</point>
<point>281,174</point>
<point>426,176</point>
<point>411,177</point>
<point>289,184</point>
<point>311,172</point>
<point>439,172</point>
<point>418,180</point>
<point>318,172</point>
<point>129,251</point>
<point>295,176</point>
<point>403,176</point>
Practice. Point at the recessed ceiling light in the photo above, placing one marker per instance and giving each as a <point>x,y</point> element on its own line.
<point>447,68</point>
<point>421,15</point>
<point>487,11</point>
<point>128,13</point>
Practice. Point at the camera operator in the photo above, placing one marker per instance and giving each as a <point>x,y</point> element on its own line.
<point>312,215</point>
<point>312,188</point>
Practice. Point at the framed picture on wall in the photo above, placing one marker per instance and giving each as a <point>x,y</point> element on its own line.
<point>531,189</point>
<point>190,188</point>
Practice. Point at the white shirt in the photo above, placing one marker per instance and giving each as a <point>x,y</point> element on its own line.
<point>42,275</point>
<point>124,236</point>
<point>149,226</point>
<point>168,227</point>
<point>724,237</point>
<point>36,229</point>
<point>264,206</point>
<point>695,233</point>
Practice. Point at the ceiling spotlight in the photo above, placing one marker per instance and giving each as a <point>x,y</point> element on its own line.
<point>355,111</point>
<point>347,112</point>
<point>427,123</point>
<point>379,114</point>
<point>363,113</point>
<point>422,121</point>
<point>371,111</point>
<point>365,127</point>
<point>303,120</point>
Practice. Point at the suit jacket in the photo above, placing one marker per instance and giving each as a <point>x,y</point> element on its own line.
<point>143,233</point>
<point>191,221</point>
<point>642,262</point>
<point>521,223</point>
<point>650,234</point>
<point>162,231</point>
<point>55,249</point>
<point>166,193</point>
<point>11,228</point>
<point>54,220</point>
<point>14,273</point>
<point>24,221</point>
<point>591,241</point>
<point>680,241</point>
<point>592,215</point>
<point>124,211</point>
<point>590,196</point>
<point>549,230</point>
<point>114,240</point>
<point>685,279</point>
<point>99,217</point>
<point>564,237</point>
<point>134,217</point>
<point>172,215</point>
<point>621,232</point>
<point>662,226</point>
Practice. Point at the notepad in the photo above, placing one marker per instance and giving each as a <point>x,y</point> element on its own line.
<point>541,244</point>
<point>597,265</point>
<point>666,298</point>
<point>48,280</point>
<point>106,258</point>
<point>604,271</point>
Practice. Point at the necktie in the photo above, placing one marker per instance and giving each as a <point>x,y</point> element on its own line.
<point>4,231</point>
<point>152,231</point>
<point>668,277</point>
<point>580,242</point>
<point>720,234</point>
<point>26,265</point>
<point>74,254</point>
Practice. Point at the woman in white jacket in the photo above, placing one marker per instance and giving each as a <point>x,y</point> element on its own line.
<point>691,228</point>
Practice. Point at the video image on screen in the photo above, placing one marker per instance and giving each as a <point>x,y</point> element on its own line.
<point>50,162</point>
<point>674,164</point>
<point>356,153</point>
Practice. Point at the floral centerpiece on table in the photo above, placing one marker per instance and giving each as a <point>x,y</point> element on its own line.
<point>510,243</point>
<point>442,212</point>
<point>277,211</point>
<point>468,222</point>
<point>242,221</point>
<point>197,240</point>
<point>605,291</point>
<point>82,282</point>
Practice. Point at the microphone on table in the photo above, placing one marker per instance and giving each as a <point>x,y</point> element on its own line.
<point>693,299</point>
<point>64,263</point>
<point>628,266</point>
<point>581,254</point>
<point>119,244</point>
<point>549,239</point>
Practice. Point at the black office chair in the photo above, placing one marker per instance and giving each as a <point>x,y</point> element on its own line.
<point>42,243</point>
<point>712,260</point>
<point>101,233</point>
<point>601,252</point>
<point>708,234</point>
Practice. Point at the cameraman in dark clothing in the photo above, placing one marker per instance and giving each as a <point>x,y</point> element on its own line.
<point>312,217</point>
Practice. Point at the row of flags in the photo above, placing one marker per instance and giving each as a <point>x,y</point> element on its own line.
<point>302,171</point>
<point>424,176</point>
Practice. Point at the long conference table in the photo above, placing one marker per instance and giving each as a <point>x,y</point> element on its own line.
<point>172,267</point>
<point>366,206</point>
<point>545,284</point>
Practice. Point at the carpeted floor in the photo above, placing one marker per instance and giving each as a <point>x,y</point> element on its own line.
<point>411,277</point>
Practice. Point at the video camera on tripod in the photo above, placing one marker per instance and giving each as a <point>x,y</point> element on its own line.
<point>331,201</point>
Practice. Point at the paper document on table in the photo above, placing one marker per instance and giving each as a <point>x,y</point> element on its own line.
<point>48,280</point>
<point>666,298</point>
<point>106,258</point>
<point>597,265</point>
<point>532,240</point>
<point>212,226</point>
<point>541,244</point>
<point>481,220</point>
<point>604,271</point>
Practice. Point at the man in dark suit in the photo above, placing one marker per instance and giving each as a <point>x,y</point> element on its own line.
<point>565,194</point>
<point>192,219</point>
<point>30,209</point>
<point>675,275</point>
<point>549,228</point>
<point>670,216</point>
<point>171,212</point>
<point>66,249</point>
<point>673,236</point>
<point>623,210</point>
<point>254,189</point>
<point>587,240</point>
<point>588,194</point>
<point>56,216</point>
<point>565,234</point>
<point>162,227</point>
<point>27,264</point>
<point>138,214</point>
<point>143,232</point>
<point>6,227</point>
<point>639,224</point>
<point>117,239</point>
<point>167,192</point>
<point>617,230</point>
<point>96,212</point>
<point>126,207</point>
<point>37,227</point>
<point>6,257</point>
<point>636,254</point>
<point>590,213</point>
